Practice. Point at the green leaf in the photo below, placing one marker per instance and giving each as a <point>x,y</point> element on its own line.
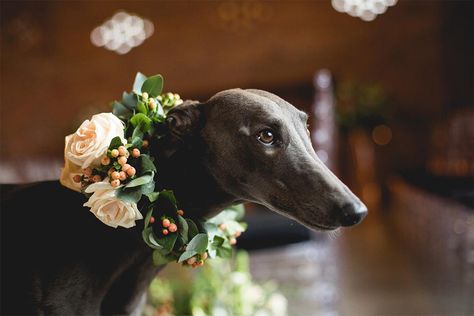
<point>153,85</point>
<point>148,187</point>
<point>141,120</point>
<point>224,252</point>
<point>149,238</point>
<point>168,241</point>
<point>138,83</point>
<point>140,180</point>
<point>121,111</point>
<point>146,164</point>
<point>169,195</point>
<point>137,132</point>
<point>129,100</point>
<point>147,218</point>
<point>198,243</point>
<point>186,255</point>
<point>159,258</point>
<point>115,143</point>
<point>192,229</point>
<point>183,229</point>
<point>142,108</point>
<point>153,196</point>
<point>129,194</point>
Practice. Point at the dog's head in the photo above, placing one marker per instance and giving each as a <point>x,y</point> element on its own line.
<point>259,150</point>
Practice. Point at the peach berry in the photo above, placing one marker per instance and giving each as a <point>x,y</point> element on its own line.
<point>96,178</point>
<point>77,178</point>
<point>115,183</point>
<point>145,143</point>
<point>125,167</point>
<point>122,176</point>
<point>114,153</point>
<point>180,212</point>
<point>135,153</point>
<point>87,172</point>
<point>152,220</point>
<point>191,261</point>
<point>115,175</point>
<point>122,151</point>
<point>173,228</point>
<point>165,232</point>
<point>131,171</point>
<point>122,160</point>
<point>166,222</point>
<point>105,160</point>
<point>233,241</point>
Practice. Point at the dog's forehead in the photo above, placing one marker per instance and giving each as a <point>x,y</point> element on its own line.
<point>258,102</point>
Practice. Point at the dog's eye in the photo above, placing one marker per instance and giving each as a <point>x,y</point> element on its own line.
<point>266,137</point>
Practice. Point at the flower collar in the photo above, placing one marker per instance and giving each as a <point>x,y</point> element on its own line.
<point>108,159</point>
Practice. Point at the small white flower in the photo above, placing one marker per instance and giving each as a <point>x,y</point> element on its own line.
<point>108,208</point>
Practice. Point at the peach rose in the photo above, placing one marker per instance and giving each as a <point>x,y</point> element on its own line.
<point>108,208</point>
<point>90,142</point>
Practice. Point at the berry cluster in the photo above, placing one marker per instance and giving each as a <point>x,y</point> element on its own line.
<point>114,165</point>
<point>232,237</point>
<point>197,260</point>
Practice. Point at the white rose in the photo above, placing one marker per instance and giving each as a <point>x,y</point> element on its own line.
<point>108,208</point>
<point>90,142</point>
<point>68,173</point>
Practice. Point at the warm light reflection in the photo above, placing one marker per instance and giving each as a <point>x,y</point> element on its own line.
<point>367,10</point>
<point>122,32</point>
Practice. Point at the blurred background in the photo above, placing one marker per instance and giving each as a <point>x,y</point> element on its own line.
<point>389,89</point>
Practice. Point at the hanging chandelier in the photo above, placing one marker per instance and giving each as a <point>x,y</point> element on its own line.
<point>367,10</point>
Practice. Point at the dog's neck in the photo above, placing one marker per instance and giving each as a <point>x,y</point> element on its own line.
<point>185,172</point>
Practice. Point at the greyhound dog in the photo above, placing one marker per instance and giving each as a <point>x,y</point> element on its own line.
<point>240,145</point>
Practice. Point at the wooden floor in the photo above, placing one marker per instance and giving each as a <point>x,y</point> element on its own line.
<point>366,270</point>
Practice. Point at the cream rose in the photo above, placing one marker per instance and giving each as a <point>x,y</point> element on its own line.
<point>108,208</point>
<point>68,173</point>
<point>90,142</point>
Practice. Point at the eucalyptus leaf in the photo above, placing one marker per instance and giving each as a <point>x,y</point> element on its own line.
<point>147,164</point>
<point>129,100</point>
<point>224,252</point>
<point>142,120</point>
<point>132,195</point>
<point>140,180</point>
<point>142,108</point>
<point>147,218</point>
<point>153,85</point>
<point>153,196</point>
<point>168,194</point>
<point>192,229</point>
<point>186,255</point>
<point>198,243</point>
<point>138,83</point>
<point>168,241</point>
<point>183,229</point>
<point>148,187</point>
<point>121,111</point>
<point>115,143</point>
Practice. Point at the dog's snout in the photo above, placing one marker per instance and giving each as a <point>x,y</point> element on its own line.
<point>352,214</point>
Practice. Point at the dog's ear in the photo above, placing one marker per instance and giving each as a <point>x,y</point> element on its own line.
<point>184,120</point>
<point>182,124</point>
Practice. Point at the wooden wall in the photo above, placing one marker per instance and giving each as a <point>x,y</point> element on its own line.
<point>52,77</point>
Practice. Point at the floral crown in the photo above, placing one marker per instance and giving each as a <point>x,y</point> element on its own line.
<point>108,159</point>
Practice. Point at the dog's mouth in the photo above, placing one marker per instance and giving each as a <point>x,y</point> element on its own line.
<point>318,226</point>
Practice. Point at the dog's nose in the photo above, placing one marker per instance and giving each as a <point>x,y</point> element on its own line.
<point>352,214</point>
